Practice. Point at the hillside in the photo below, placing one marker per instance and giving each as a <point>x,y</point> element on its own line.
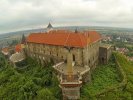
<point>32,83</point>
<point>107,85</point>
<point>35,82</point>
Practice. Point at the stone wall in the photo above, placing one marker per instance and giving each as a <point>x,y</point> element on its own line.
<point>109,53</point>
<point>82,56</point>
<point>57,53</point>
<point>104,54</point>
<point>72,93</point>
<point>91,54</point>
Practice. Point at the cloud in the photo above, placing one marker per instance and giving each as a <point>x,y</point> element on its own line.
<point>23,14</point>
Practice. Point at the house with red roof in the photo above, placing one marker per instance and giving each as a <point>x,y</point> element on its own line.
<point>18,58</point>
<point>15,53</point>
<point>7,51</point>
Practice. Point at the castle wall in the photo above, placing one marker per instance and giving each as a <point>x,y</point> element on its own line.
<point>104,54</point>
<point>91,54</point>
<point>81,56</point>
<point>109,53</point>
<point>57,53</point>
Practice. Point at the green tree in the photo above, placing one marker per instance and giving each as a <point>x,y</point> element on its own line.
<point>45,94</point>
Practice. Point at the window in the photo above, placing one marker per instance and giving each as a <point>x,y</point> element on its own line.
<point>73,57</point>
<point>89,61</point>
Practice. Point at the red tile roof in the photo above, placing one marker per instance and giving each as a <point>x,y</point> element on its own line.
<point>64,38</point>
<point>18,48</point>
<point>6,50</point>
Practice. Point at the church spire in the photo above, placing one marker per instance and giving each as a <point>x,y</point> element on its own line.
<point>49,27</point>
<point>76,30</point>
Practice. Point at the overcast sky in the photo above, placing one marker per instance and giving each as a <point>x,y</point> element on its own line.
<point>27,14</point>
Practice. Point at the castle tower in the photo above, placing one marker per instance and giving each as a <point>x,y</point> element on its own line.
<point>49,27</point>
<point>70,83</point>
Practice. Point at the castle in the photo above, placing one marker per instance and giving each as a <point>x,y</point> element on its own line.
<point>52,45</point>
<point>75,55</point>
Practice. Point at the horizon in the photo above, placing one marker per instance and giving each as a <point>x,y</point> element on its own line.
<point>34,14</point>
<point>29,29</point>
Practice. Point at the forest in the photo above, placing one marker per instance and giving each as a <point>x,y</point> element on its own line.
<point>35,82</point>
<point>31,83</point>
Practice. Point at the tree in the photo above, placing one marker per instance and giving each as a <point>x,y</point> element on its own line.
<point>45,94</point>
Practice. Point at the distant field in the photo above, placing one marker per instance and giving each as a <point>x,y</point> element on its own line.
<point>8,37</point>
<point>129,45</point>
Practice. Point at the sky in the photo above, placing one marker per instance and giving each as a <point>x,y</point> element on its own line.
<point>30,14</point>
